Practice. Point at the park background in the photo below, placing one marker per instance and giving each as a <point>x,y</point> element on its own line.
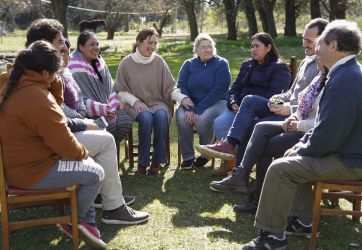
<point>185,214</point>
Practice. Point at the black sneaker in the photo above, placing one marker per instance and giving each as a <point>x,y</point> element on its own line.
<point>185,165</point>
<point>295,227</point>
<point>237,181</point>
<point>265,241</point>
<point>129,199</point>
<point>124,215</point>
<point>200,162</point>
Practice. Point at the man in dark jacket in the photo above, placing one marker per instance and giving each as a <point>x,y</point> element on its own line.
<point>332,150</point>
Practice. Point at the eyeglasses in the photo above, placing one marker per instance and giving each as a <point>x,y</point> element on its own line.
<point>206,48</point>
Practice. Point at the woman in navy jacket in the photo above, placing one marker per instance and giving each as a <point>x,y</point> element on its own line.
<point>265,75</point>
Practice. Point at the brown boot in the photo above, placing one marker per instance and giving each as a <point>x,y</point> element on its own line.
<point>225,167</point>
<point>154,168</point>
<point>141,169</point>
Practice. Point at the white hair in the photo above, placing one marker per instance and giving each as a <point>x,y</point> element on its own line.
<point>203,37</point>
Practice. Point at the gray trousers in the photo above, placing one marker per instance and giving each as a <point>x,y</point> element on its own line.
<point>102,148</point>
<point>88,174</point>
<point>287,191</point>
<point>204,128</point>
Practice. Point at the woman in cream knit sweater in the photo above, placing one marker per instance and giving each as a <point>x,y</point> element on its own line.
<point>145,84</point>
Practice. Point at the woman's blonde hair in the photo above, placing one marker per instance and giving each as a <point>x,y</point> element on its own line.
<point>203,37</point>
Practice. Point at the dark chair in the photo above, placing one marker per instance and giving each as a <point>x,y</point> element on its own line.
<point>293,68</point>
<point>354,189</point>
<point>14,198</point>
<point>131,148</point>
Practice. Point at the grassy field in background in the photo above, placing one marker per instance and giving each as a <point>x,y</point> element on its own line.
<point>185,214</point>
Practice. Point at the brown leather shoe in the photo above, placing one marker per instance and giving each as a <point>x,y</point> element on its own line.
<point>223,150</point>
<point>225,168</point>
<point>141,169</point>
<point>154,168</point>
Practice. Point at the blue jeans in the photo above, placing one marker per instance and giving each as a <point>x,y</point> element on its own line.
<point>223,123</point>
<point>148,121</point>
<point>203,127</point>
<point>88,174</point>
<point>251,107</point>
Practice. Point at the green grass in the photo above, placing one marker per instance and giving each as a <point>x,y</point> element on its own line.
<point>185,214</point>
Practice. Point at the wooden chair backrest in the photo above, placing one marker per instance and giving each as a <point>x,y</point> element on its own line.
<point>293,68</point>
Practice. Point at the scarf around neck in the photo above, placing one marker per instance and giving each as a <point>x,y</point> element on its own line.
<point>309,95</point>
<point>139,58</point>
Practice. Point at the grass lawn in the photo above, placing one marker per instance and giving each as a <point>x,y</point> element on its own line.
<point>185,214</point>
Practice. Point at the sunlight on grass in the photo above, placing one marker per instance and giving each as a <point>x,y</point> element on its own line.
<point>184,213</point>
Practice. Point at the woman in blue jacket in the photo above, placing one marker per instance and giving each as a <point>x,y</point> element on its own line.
<point>204,79</point>
<point>265,75</point>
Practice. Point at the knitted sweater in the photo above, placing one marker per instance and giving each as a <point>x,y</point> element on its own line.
<point>204,82</point>
<point>34,137</point>
<point>97,87</point>
<point>151,83</point>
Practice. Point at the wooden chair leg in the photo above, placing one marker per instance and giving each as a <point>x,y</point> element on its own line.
<point>168,150</point>
<point>178,152</point>
<point>316,214</point>
<point>356,207</point>
<point>130,148</point>
<point>5,227</point>
<point>74,218</point>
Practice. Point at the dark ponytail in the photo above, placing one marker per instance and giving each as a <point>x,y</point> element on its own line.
<point>38,57</point>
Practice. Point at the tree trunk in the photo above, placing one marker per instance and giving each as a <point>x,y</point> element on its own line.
<point>250,17</point>
<point>190,10</point>
<point>315,9</point>
<point>60,8</point>
<point>162,24</point>
<point>230,12</point>
<point>337,9</point>
<point>262,15</point>
<point>290,17</point>
<point>126,23</point>
<point>269,6</point>
<point>110,33</point>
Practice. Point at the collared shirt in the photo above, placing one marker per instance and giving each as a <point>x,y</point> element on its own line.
<point>339,62</point>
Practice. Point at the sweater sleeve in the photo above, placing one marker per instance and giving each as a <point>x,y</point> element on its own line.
<point>47,119</point>
<point>336,105</point>
<point>222,78</point>
<point>56,89</point>
<point>235,90</point>
<point>183,76</point>
<point>76,125</point>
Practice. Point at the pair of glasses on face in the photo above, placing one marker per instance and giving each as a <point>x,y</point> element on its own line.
<point>206,48</point>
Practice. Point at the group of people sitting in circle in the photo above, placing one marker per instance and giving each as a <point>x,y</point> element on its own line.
<point>61,117</point>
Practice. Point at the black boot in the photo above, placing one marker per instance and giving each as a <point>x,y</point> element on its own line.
<point>249,206</point>
<point>238,181</point>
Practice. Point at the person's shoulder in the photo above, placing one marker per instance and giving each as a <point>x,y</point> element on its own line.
<point>221,60</point>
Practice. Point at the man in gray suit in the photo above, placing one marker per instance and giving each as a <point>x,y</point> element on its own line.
<point>331,150</point>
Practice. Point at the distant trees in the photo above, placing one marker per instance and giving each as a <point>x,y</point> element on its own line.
<point>189,6</point>
<point>60,8</point>
<point>160,13</point>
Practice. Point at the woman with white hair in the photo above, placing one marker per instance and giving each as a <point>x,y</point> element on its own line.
<point>205,79</point>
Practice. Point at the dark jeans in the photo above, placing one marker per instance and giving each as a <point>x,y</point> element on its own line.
<point>268,140</point>
<point>158,122</point>
<point>251,108</point>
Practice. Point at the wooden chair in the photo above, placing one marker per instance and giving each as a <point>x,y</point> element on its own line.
<point>354,195</point>
<point>14,198</point>
<point>293,68</point>
<point>131,148</point>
